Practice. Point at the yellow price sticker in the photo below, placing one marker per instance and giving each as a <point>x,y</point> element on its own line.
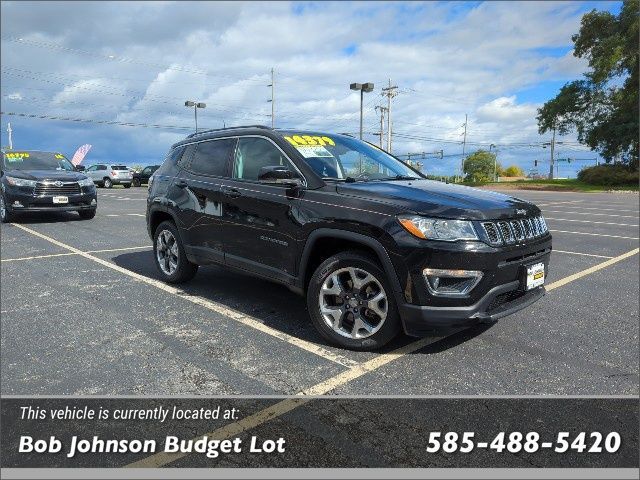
<point>309,141</point>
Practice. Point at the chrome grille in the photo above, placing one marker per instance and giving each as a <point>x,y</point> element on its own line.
<point>508,232</point>
<point>48,189</point>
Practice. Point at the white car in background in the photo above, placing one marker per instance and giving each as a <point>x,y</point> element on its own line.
<point>107,175</point>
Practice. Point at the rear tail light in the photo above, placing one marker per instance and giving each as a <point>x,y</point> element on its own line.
<point>114,174</point>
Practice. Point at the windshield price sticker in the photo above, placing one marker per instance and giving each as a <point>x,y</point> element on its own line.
<point>308,140</point>
<point>314,152</point>
<point>16,156</point>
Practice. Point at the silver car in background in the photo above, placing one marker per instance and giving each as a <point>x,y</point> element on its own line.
<point>109,174</point>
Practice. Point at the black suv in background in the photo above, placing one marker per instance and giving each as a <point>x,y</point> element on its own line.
<point>143,175</point>
<point>35,181</point>
<point>373,245</point>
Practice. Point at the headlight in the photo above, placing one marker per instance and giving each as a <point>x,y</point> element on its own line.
<point>87,182</point>
<point>20,182</point>
<point>439,229</point>
<point>149,182</point>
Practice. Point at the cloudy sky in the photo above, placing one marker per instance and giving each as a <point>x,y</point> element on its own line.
<point>136,63</point>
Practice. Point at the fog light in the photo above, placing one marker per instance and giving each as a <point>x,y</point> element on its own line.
<point>17,204</point>
<point>451,283</point>
<point>93,201</point>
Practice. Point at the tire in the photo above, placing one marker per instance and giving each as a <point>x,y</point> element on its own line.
<point>87,214</point>
<point>126,185</point>
<point>136,182</point>
<point>180,270</point>
<point>107,183</point>
<point>6,215</point>
<point>349,308</point>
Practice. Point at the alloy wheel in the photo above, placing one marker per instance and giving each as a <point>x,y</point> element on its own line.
<point>167,252</point>
<point>353,303</point>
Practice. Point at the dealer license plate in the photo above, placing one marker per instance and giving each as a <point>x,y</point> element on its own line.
<point>535,275</point>
<point>60,199</point>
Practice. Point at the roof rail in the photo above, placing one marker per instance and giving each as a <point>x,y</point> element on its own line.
<point>229,128</point>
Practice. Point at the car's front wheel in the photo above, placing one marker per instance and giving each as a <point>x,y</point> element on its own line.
<point>87,214</point>
<point>136,182</point>
<point>351,302</point>
<point>6,215</point>
<point>107,183</point>
<point>171,260</point>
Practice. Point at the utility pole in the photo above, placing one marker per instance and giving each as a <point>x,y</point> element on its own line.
<point>553,146</point>
<point>390,92</point>
<point>273,99</point>
<point>10,139</point>
<point>464,146</point>
<point>382,112</point>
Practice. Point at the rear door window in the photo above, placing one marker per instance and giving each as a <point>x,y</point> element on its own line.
<point>212,157</point>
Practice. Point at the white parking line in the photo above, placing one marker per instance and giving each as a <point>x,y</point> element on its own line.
<point>584,254</point>
<point>214,306</point>
<point>601,209</point>
<point>591,221</point>
<point>594,234</point>
<point>73,253</point>
<point>594,214</point>
<point>125,214</point>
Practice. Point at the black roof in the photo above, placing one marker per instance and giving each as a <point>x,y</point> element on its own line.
<point>228,128</point>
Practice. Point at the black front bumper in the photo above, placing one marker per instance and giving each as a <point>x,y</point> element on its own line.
<point>498,302</point>
<point>31,203</point>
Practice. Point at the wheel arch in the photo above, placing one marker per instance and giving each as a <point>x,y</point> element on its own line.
<point>320,236</point>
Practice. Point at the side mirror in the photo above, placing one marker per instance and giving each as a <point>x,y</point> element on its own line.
<point>80,168</point>
<point>279,174</point>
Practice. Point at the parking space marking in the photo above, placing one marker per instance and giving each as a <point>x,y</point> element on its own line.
<point>125,214</point>
<point>124,249</point>
<point>592,221</point>
<point>594,214</point>
<point>216,307</point>
<point>594,234</point>
<point>591,270</point>
<point>286,405</point>
<point>583,254</point>
<point>556,203</point>
<point>607,209</point>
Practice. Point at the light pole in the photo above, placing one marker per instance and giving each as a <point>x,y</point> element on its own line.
<point>363,87</point>
<point>495,163</point>
<point>196,106</point>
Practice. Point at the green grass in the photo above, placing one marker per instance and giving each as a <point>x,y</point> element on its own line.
<point>566,185</point>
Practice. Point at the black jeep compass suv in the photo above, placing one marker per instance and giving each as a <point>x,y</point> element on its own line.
<point>373,245</point>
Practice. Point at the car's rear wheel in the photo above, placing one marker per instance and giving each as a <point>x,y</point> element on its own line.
<point>136,182</point>
<point>6,215</point>
<point>351,302</point>
<point>87,214</point>
<point>170,258</point>
<point>107,183</point>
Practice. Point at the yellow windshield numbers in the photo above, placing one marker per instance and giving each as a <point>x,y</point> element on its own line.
<point>309,141</point>
<point>59,157</point>
<point>16,156</point>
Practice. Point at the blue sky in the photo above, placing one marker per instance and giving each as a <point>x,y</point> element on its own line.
<point>496,62</point>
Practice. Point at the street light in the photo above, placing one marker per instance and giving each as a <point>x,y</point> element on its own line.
<point>495,163</point>
<point>196,106</point>
<point>363,87</point>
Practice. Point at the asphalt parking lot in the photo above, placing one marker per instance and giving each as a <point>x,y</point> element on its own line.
<point>84,314</point>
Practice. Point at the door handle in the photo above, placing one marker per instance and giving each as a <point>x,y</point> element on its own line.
<point>231,192</point>
<point>181,183</point>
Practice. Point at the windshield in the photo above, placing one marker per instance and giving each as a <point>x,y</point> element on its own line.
<point>30,160</point>
<point>119,167</point>
<point>340,157</point>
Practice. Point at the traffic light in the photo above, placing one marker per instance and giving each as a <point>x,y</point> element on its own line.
<point>568,160</point>
<point>535,163</point>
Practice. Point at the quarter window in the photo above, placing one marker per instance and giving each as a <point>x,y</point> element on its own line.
<point>253,153</point>
<point>212,157</point>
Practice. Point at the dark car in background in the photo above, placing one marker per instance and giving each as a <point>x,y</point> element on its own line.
<point>373,245</point>
<point>143,176</point>
<point>36,181</point>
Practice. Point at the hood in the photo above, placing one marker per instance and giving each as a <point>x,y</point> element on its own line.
<point>437,199</point>
<point>40,175</point>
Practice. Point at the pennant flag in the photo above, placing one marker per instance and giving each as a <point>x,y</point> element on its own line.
<point>80,154</point>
